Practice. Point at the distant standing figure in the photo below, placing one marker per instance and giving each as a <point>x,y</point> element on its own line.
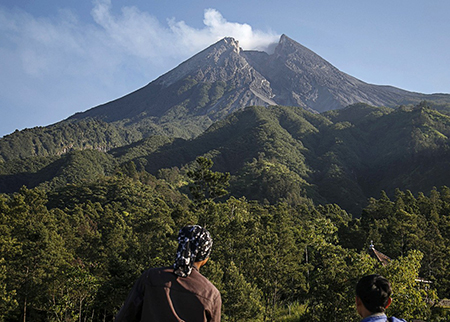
<point>373,296</point>
<point>179,293</point>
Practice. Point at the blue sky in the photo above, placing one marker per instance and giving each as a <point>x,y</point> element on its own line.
<point>62,57</point>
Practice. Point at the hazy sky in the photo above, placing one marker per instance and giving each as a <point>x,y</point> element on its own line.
<point>62,57</point>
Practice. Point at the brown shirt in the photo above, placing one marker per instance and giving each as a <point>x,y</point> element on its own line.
<point>161,296</point>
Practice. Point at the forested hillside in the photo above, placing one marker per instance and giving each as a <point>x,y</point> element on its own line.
<point>63,137</point>
<point>72,253</point>
<point>277,154</point>
<point>292,198</point>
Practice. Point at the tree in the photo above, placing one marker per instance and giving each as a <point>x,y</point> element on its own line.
<point>40,253</point>
<point>207,184</point>
<point>8,301</point>
<point>334,272</point>
<point>72,294</point>
<point>242,300</point>
<point>412,299</point>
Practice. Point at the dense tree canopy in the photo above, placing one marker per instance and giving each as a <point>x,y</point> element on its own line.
<point>272,154</point>
<point>73,253</point>
<point>284,193</point>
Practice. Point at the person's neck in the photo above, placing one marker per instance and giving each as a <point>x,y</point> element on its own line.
<point>200,263</point>
<point>372,314</point>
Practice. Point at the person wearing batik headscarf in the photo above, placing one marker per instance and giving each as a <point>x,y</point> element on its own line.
<point>178,293</point>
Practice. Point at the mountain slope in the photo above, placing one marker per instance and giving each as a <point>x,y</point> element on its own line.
<point>64,137</point>
<point>280,153</point>
<point>284,152</point>
<point>208,87</point>
<point>224,78</point>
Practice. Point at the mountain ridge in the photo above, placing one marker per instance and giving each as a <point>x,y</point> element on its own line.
<point>209,86</point>
<point>277,154</point>
<point>292,75</point>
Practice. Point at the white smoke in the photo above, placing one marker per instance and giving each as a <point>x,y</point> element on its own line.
<point>47,46</point>
<point>141,34</point>
<point>217,27</point>
<point>55,66</point>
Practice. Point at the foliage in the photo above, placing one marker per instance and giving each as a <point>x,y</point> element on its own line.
<point>273,154</point>
<point>286,247</point>
<point>74,253</point>
<point>63,137</point>
<point>206,184</point>
<point>410,298</point>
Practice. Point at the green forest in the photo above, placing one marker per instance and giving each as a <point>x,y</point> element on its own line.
<point>73,252</point>
<point>272,153</point>
<point>292,199</point>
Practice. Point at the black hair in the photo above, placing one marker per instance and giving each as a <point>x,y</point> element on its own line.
<point>374,292</point>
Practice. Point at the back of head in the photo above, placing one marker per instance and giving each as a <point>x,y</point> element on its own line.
<point>194,245</point>
<point>374,292</point>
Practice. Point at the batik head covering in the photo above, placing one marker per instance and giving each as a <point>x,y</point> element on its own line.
<point>194,245</point>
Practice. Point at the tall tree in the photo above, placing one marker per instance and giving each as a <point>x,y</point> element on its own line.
<point>207,184</point>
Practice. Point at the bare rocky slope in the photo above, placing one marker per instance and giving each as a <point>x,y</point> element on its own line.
<point>224,78</point>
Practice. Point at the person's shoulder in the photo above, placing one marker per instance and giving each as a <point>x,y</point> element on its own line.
<point>157,270</point>
<point>157,273</point>
<point>394,319</point>
<point>199,276</point>
<point>208,287</point>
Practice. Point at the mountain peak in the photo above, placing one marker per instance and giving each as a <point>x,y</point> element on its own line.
<point>285,38</point>
<point>205,62</point>
<point>224,78</point>
<point>229,41</point>
<point>288,46</point>
<point>222,45</point>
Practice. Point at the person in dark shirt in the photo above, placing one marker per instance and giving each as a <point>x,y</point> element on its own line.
<point>179,293</point>
<point>373,297</point>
